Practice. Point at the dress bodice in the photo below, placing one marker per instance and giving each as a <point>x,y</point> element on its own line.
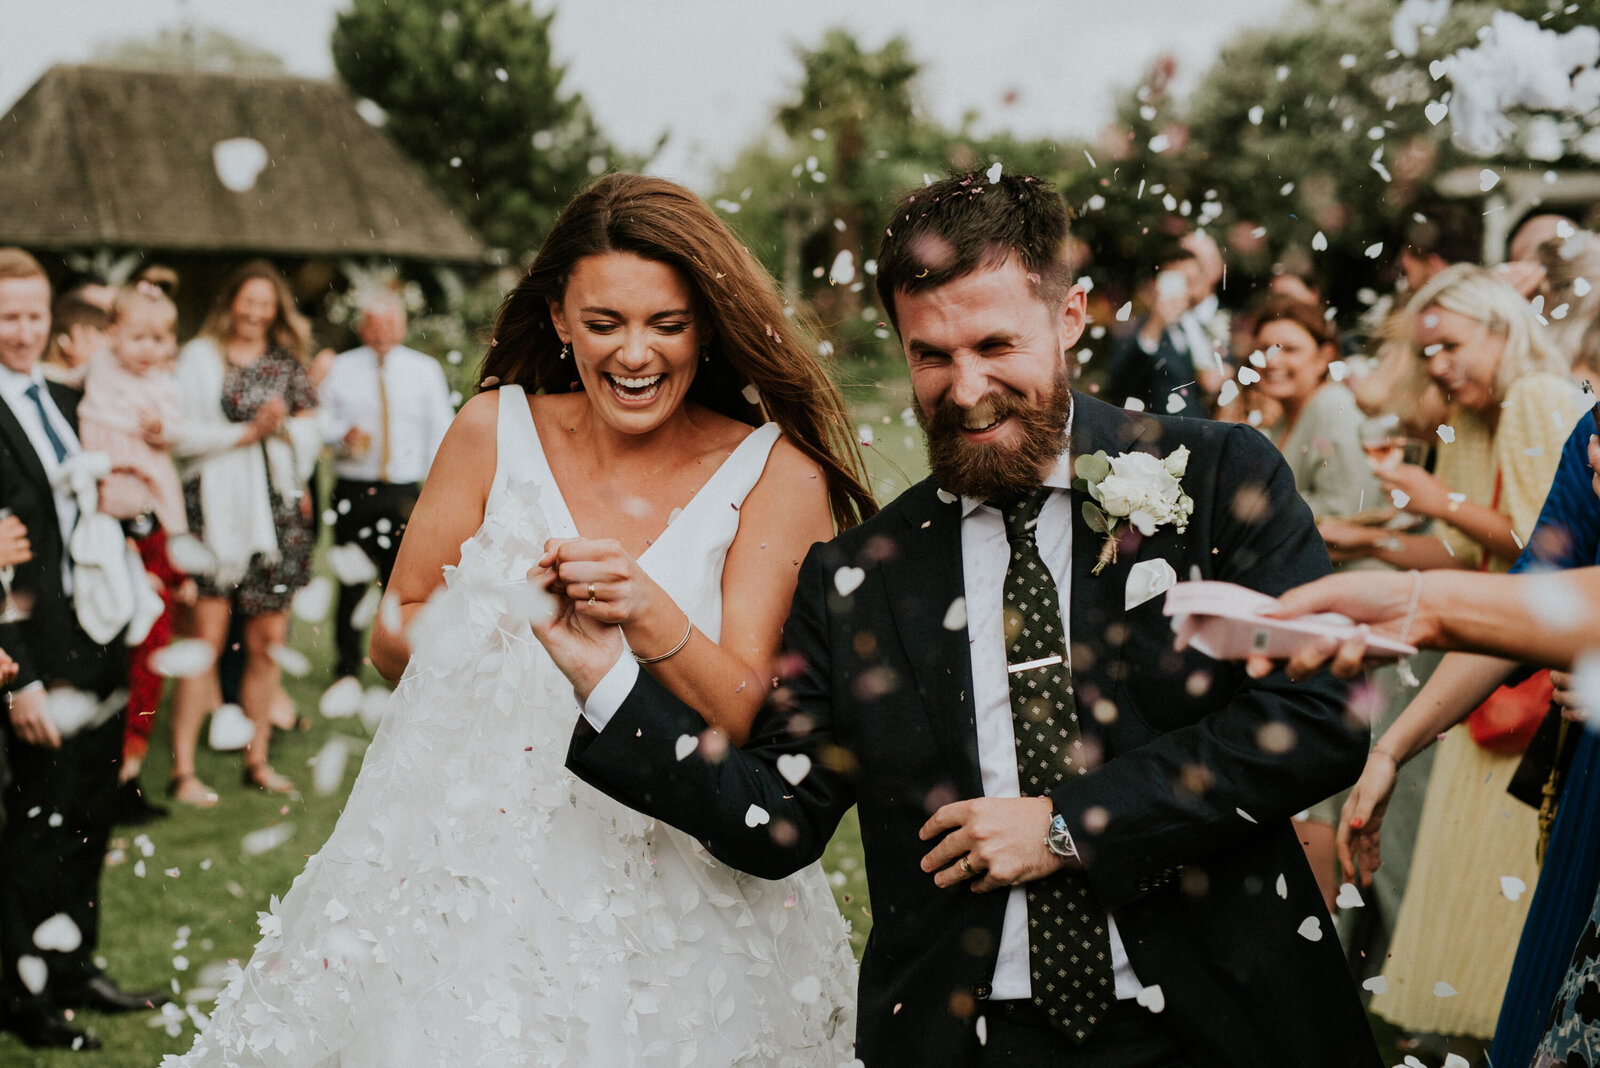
<point>686,559</point>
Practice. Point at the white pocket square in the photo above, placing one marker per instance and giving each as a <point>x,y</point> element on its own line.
<point>1146,579</point>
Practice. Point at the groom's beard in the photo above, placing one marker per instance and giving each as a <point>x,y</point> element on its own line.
<point>999,471</point>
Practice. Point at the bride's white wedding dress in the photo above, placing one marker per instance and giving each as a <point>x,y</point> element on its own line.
<point>479,905</point>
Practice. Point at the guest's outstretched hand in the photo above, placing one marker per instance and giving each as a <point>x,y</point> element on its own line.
<point>1359,821</point>
<point>582,646</point>
<point>1381,599</point>
<point>14,547</point>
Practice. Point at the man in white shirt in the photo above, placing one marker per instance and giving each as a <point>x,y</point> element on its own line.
<point>59,804</point>
<point>385,409</point>
<point>989,679</point>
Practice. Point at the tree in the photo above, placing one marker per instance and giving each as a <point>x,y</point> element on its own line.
<point>472,92</point>
<point>191,48</point>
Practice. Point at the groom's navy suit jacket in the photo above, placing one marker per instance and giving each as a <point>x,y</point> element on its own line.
<point>1185,826</point>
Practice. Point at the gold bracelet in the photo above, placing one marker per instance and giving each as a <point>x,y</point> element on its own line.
<point>687,630</point>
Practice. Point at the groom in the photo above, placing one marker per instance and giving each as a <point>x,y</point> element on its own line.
<point>1077,838</point>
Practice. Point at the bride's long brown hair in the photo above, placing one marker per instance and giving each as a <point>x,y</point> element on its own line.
<point>753,342</point>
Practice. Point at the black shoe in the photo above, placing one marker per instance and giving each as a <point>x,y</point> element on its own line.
<point>99,994</point>
<point>43,1028</point>
<point>133,808</point>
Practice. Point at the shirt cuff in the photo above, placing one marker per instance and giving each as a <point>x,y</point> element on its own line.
<point>609,693</point>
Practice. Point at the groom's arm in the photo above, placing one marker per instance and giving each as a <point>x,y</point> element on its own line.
<point>1272,749</point>
<point>737,801</point>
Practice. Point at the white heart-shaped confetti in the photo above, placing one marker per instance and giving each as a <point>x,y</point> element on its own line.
<point>1310,929</point>
<point>1456,1060</point>
<point>312,601</point>
<point>755,816</point>
<point>1124,312</point>
<point>183,659</point>
<point>58,933</point>
<point>1487,180</point>
<point>1377,984</point>
<point>1249,376</point>
<point>752,395</point>
<point>955,617</point>
<point>794,767</point>
<point>1447,433</point>
<point>994,173</point>
<point>1282,887</point>
<point>1152,998</point>
<point>1349,897</point>
<point>350,565</point>
<point>1436,111</point>
<point>848,579</point>
<point>1512,887</point>
<point>292,661</point>
<point>341,700</point>
<point>33,972</point>
<point>267,838</point>
<point>327,767</point>
<point>686,744</point>
<point>1443,990</point>
<point>1319,242</point>
<point>1146,580</point>
<point>1400,497</point>
<point>1437,69</point>
<point>945,496</point>
<point>1175,403</point>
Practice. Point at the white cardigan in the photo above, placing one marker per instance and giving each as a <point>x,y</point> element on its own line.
<point>235,507</point>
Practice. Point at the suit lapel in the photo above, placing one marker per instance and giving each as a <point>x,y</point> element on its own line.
<point>21,446</point>
<point>923,579</point>
<point>1097,600</point>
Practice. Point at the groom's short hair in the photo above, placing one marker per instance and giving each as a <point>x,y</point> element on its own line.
<point>968,222</point>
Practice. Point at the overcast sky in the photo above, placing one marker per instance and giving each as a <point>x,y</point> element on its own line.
<point>711,72</point>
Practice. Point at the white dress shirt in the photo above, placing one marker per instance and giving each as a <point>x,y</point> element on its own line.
<point>14,389</point>
<point>985,554</point>
<point>418,400</point>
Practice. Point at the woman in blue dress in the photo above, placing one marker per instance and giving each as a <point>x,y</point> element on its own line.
<point>1565,903</point>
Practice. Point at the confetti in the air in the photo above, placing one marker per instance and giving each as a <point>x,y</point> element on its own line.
<point>794,767</point>
<point>755,816</point>
<point>58,934</point>
<point>848,579</point>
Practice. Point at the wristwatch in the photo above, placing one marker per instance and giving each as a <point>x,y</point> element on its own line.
<point>1059,840</point>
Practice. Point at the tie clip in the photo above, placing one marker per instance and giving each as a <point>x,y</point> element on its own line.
<point>1029,665</point>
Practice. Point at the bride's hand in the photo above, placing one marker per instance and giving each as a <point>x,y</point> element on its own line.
<point>602,581</point>
<point>581,646</point>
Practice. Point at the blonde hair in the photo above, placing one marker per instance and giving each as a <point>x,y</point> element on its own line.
<point>17,263</point>
<point>1485,297</point>
<point>144,295</point>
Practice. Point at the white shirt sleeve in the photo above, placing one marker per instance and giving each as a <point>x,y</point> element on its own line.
<point>609,693</point>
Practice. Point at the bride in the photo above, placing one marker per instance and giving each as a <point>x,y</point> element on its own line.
<point>652,431</point>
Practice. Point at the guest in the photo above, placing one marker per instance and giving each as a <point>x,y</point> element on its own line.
<point>132,411</point>
<point>1507,388</point>
<point>77,330</point>
<point>1318,430</point>
<point>1155,368</point>
<point>1319,435</point>
<point>1571,293</point>
<point>250,450</point>
<point>385,409</point>
<point>63,781</point>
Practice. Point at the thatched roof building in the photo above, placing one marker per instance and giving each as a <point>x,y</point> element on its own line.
<point>107,158</point>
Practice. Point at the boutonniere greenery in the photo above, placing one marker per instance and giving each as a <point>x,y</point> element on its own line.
<point>1132,489</point>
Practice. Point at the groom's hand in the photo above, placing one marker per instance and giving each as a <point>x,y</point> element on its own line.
<point>1001,840</point>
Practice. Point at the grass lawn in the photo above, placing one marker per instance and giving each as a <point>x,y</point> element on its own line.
<point>181,896</point>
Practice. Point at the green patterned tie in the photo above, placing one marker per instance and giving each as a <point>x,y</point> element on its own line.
<point>1069,950</point>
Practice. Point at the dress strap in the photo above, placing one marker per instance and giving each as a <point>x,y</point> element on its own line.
<point>515,439</point>
<point>741,471</point>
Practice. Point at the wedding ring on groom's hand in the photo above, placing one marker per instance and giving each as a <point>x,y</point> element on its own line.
<point>965,866</point>
<point>591,595</point>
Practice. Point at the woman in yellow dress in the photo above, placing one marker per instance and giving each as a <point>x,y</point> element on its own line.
<point>1511,407</point>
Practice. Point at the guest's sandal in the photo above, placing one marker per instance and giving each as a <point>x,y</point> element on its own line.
<point>263,778</point>
<point>187,789</point>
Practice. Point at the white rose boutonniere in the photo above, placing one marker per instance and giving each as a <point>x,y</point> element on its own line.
<point>1132,489</point>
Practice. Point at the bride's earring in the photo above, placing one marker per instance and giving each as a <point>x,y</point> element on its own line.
<point>705,353</point>
<point>566,350</point>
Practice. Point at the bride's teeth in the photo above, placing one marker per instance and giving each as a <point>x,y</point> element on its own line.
<point>636,383</point>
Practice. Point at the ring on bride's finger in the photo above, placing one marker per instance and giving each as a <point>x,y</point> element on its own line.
<point>591,595</point>
<point>964,865</point>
